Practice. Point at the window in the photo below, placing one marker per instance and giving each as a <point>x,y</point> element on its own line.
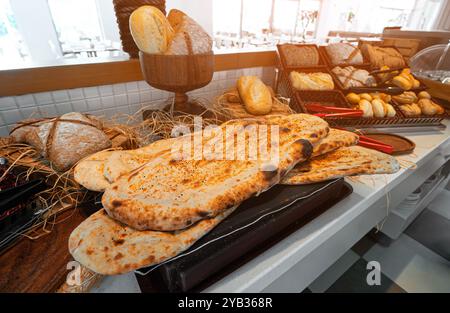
<point>374,16</point>
<point>12,47</point>
<point>79,31</point>
<point>263,23</point>
<point>43,32</point>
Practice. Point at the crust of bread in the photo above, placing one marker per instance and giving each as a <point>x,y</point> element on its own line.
<point>343,162</point>
<point>336,139</point>
<point>108,247</point>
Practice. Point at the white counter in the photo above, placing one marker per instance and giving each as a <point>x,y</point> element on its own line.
<point>293,263</point>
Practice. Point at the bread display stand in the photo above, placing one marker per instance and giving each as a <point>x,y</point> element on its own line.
<point>179,74</point>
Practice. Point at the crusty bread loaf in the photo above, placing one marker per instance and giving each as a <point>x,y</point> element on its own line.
<point>383,56</point>
<point>64,140</point>
<point>300,55</point>
<point>311,81</point>
<point>150,30</point>
<point>255,94</point>
<point>344,53</point>
<point>190,38</point>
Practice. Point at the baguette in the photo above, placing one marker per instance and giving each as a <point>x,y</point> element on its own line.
<point>255,94</point>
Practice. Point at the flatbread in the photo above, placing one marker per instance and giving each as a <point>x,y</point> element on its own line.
<point>124,162</point>
<point>108,247</point>
<point>98,171</point>
<point>89,172</point>
<point>167,194</point>
<point>336,139</point>
<point>343,162</point>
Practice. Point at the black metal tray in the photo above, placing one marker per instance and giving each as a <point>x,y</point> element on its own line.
<point>259,221</point>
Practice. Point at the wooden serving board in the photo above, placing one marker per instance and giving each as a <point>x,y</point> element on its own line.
<point>39,265</point>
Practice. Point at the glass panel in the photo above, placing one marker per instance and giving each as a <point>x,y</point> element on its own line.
<point>79,29</point>
<point>12,47</point>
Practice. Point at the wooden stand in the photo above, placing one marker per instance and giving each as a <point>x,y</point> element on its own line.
<point>179,74</point>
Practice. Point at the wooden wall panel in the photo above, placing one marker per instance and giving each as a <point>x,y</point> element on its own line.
<point>24,81</point>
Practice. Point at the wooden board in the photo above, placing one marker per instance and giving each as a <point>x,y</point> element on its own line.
<point>39,265</point>
<point>16,82</point>
<point>401,144</point>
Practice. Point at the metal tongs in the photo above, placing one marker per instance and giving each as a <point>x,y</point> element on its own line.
<point>326,111</point>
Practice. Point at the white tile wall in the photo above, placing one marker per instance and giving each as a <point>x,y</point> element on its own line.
<point>110,100</point>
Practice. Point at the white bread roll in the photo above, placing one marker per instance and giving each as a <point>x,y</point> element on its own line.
<point>190,38</point>
<point>366,107</point>
<point>378,108</point>
<point>428,107</point>
<point>390,111</point>
<point>255,94</point>
<point>150,30</point>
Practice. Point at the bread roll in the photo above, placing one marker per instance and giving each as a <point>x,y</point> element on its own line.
<point>255,95</point>
<point>402,82</point>
<point>366,107</point>
<point>410,110</point>
<point>378,108</point>
<point>429,107</point>
<point>366,96</point>
<point>150,30</point>
<point>424,95</point>
<point>390,111</point>
<point>190,38</point>
<point>407,97</point>
<point>353,98</point>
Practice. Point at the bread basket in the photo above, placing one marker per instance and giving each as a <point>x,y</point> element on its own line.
<point>177,73</point>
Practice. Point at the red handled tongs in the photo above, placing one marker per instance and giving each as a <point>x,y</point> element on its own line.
<point>372,143</point>
<point>326,111</point>
<point>375,145</point>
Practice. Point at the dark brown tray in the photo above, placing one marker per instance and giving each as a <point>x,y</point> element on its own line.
<point>257,221</point>
<point>401,144</point>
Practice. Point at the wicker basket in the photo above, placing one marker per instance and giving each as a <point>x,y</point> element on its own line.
<point>123,9</point>
<point>285,88</point>
<point>333,98</point>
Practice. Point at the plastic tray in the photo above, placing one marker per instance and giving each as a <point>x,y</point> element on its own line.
<point>256,222</point>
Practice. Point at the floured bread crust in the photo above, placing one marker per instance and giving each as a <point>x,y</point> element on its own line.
<point>343,162</point>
